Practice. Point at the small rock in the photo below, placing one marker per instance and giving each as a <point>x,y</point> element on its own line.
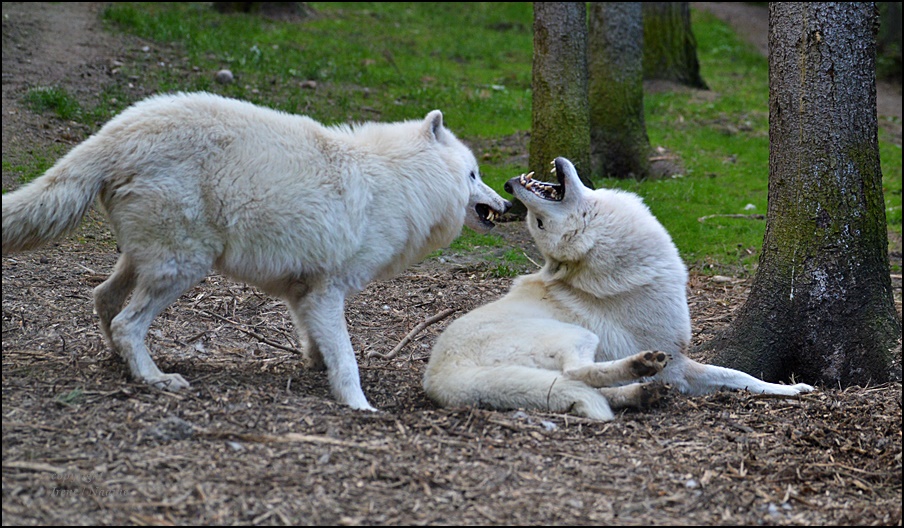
<point>224,77</point>
<point>170,429</point>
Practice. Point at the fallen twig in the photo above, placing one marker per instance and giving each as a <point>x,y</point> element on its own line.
<point>766,396</point>
<point>288,438</point>
<point>414,331</point>
<point>238,326</point>
<point>747,216</point>
<point>530,259</point>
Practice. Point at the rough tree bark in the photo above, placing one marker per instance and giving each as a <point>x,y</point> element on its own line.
<point>669,46</point>
<point>619,146</point>
<point>560,116</point>
<point>821,303</point>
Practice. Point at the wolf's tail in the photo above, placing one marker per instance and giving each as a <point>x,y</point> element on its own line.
<point>515,387</point>
<point>51,205</point>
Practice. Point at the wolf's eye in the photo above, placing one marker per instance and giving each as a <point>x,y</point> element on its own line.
<point>473,176</point>
<point>540,224</point>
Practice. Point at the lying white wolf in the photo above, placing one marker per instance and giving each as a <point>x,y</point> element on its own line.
<point>608,307</point>
<point>307,213</point>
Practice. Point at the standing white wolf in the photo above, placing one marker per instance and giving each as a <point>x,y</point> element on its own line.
<point>609,307</point>
<point>307,213</point>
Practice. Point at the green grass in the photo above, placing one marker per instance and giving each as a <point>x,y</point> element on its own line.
<point>33,163</point>
<point>53,99</point>
<point>890,154</point>
<point>396,60</point>
<point>392,61</point>
<point>73,397</point>
<point>722,139</point>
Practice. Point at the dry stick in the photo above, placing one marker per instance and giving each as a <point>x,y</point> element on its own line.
<point>238,326</point>
<point>747,216</point>
<point>288,438</point>
<point>414,331</point>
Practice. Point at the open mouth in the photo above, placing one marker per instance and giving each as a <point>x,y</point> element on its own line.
<point>487,214</point>
<point>554,192</point>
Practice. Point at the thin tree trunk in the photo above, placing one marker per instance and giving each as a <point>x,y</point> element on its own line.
<point>620,147</point>
<point>560,119</point>
<point>669,46</point>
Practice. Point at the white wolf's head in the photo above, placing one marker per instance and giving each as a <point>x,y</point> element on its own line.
<point>601,241</point>
<point>484,205</point>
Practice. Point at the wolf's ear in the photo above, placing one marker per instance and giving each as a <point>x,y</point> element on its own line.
<point>433,125</point>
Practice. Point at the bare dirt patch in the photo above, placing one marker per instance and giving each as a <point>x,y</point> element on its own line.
<point>258,440</point>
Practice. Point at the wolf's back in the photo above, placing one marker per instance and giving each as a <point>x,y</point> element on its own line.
<point>51,205</point>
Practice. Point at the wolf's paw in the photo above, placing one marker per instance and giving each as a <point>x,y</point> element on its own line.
<point>649,363</point>
<point>168,382</point>
<point>803,388</point>
<point>653,394</point>
<point>313,362</point>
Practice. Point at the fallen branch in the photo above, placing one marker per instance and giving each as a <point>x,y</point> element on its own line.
<point>746,216</point>
<point>414,331</point>
<point>238,326</point>
<point>287,438</point>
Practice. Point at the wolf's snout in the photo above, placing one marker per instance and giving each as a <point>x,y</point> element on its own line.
<point>509,189</point>
<point>487,213</point>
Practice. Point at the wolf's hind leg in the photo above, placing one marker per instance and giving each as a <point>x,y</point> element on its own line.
<point>156,287</point>
<point>111,295</point>
<point>609,373</point>
<point>506,387</point>
<point>693,378</point>
<point>635,395</point>
<point>313,359</point>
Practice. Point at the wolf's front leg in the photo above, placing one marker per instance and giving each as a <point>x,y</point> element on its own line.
<point>610,373</point>
<point>322,312</point>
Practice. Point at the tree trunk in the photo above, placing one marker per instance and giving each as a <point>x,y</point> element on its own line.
<point>560,123</point>
<point>669,46</point>
<point>821,304</point>
<point>888,42</point>
<point>618,136</point>
<point>278,10</point>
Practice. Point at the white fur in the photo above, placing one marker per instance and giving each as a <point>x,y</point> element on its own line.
<point>308,213</point>
<point>612,285</point>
